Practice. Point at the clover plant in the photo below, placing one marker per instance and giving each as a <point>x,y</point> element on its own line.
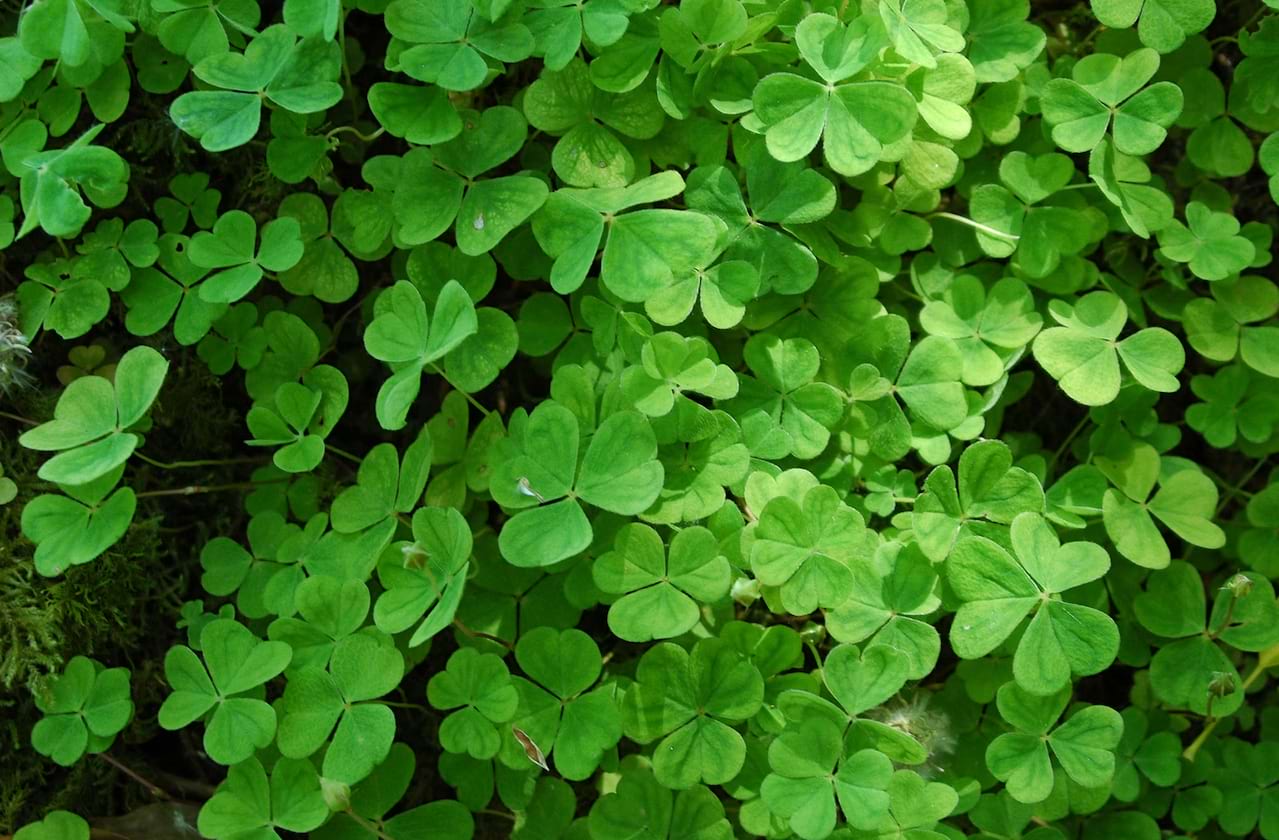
<point>609,419</point>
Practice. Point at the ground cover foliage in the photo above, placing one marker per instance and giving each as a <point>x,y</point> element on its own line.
<point>608,419</point>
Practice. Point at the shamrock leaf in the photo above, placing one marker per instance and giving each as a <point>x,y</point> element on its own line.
<point>1083,353</point>
<point>230,247</point>
<point>1231,407</point>
<point>84,709</point>
<point>564,103</point>
<point>691,701</point>
<point>330,610</point>
<point>287,425</point>
<point>275,66</point>
<point>426,581</point>
<point>1002,42</point>
<point>854,120</point>
<point>74,529</point>
<point>227,685</point>
<point>998,592</point>
<point>1211,245</point>
<point>57,825</point>
<point>1079,109</point>
<point>1182,672</point>
<point>402,336</point>
<point>479,686</point>
<point>538,465</point>
<point>660,596</point>
<point>247,804</point>
<point>804,784</point>
<point>989,488</point>
<point>808,548</point>
<point>1230,323</point>
<point>1161,24</point>
<point>646,809</point>
<point>1124,181</point>
<point>781,409</point>
<point>91,417</point>
<point>385,486</point>
<point>1084,745</point>
<point>888,372</point>
<point>322,707</point>
<point>671,366</point>
<point>888,599</point>
<point>558,713</point>
<point>53,181</point>
<point>918,29</point>
<point>988,328</point>
<point>450,41</point>
<point>1185,502</point>
<point>1018,222</point>
<point>1249,784</point>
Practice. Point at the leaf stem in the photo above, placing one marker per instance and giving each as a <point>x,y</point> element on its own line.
<point>1236,488</point>
<point>193,489</point>
<point>18,418</point>
<point>964,220</point>
<point>478,407</point>
<point>368,825</point>
<point>1268,658</point>
<point>152,788</point>
<point>203,462</point>
<point>479,634</point>
<point>350,129</point>
<point>1065,444</point>
<point>343,454</point>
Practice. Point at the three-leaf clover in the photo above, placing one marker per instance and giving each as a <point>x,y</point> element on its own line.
<point>855,120</point>
<point>84,708</point>
<point>228,683</point>
<point>1161,24</point>
<point>807,548</point>
<point>1084,745</point>
<point>989,488</point>
<point>1232,323</point>
<point>403,336</point>
<point>90,419</point>
<point>998,592</point>
<point>297,76</point>
<point>1083,353</point>
<point>660,595</point>
<point>1209,243</point>
<point>385,485</point>
<point>988,327</point>
<point>479,686</point>
<point>803,784</point>
<point>691,701</point>
<point>781,409</point>
<point>322,707</point>
<point>537,472</point>
<point>1185,502</point>
<point>558,713</point>
<point>230,246</point>
<point>247,804</point>
<point>1104,86</point>
<point>888,600</point>
<point>425,580</point>
<point>76,528</point>
<point>449,41</point>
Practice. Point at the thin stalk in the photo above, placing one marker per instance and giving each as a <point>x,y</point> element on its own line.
<point>202,462</point>
<point>18,418</point>
<point>1268,658</point>
<point>480,634</point>
<point>344,454</point>
<point>1070,438</point>
<point>152,788</point>
<point>964,220</point>
<point>350,129</point>
<point>478,407</point>
<point>194,489</point>
<point>1236,488</point>
<point>367,825</point>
